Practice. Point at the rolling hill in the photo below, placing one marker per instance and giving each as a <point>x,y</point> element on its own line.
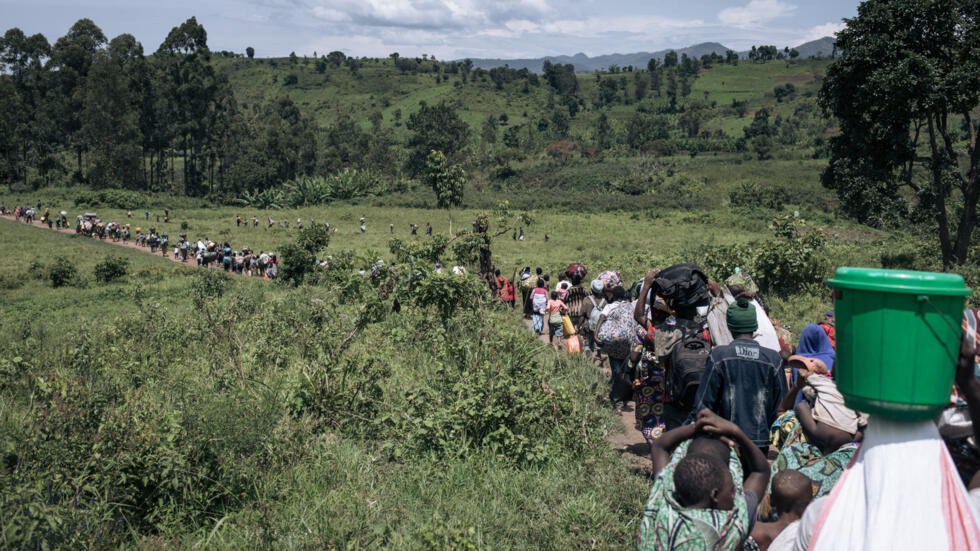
<point>585,64</point>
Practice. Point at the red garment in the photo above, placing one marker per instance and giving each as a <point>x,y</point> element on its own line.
<point>831,333</point>
<point>505,288</point>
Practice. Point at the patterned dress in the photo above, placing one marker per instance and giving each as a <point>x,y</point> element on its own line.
<point>667,525</point>
<point>797,454</point>
<point>650,394</point>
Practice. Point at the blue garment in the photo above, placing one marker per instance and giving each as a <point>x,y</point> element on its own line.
<point>537,323</point>
<point>744,383</point>
<point>814,343</point>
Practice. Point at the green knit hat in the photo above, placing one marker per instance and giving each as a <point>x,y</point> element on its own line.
<point>741,317</point>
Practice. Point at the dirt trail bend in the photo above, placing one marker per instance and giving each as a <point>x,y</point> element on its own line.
<point>630,442</point>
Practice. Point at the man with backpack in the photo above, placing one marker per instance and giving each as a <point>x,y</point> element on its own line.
<point>743,382</point>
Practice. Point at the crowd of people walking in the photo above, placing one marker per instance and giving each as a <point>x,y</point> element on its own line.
<point>748,434</point>
<point>750,439</point>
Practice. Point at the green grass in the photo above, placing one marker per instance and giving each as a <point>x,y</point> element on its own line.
<point>299,483</point>
<point>378,86</point>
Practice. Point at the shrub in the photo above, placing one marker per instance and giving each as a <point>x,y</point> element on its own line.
<point>208,286</point>
<point>62,272</point>
<point>429,251</point>
<point>562,150</point>
<point>752,195</point>
<point>294,262</point>
<point>113,198</point>
<point>111,268</point>
<point>12,281</point>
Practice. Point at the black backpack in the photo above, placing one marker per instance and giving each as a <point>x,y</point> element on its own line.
<point>683,286</point>
<point>687,363</point>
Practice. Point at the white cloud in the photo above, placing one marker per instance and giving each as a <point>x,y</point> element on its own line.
<point>754,14</point>
<point>820,31</point>
<point>328,14</point>
<point>599,25</point>
<point>429,14</point>
<point>525,28</point>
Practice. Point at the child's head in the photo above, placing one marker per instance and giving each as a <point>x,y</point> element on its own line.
<point>541,283</point>
<point>703,482</point>
<point>791,492</point>
<point>711,447</point>
<point>538,271</point>
<point>554,295</point>
<point>496,273</point>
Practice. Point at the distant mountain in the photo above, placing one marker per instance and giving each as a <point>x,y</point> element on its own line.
<point>585,64</point>
<point>823,47</point>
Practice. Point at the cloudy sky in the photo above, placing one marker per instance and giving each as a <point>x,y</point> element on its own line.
<point>448,29</point>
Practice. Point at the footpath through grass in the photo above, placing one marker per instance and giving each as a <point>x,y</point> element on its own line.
<point>179,407</point>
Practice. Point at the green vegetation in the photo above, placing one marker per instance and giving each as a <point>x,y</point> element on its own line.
<point>145,403</point>
<point>183,407</point>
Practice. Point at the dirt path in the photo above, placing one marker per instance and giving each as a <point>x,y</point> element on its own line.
<point>128,244</point>
<point>630,442</point>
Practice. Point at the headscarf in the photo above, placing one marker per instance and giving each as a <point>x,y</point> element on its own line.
<point>743,280</point>
<point>597,286</point>
<point>814,343</point>
<point>610,279</point>
<point>741,317</point>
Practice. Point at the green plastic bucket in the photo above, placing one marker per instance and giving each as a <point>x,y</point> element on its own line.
<point>898,338</point>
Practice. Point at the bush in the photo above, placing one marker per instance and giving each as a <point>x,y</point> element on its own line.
<point>562,150</point>
<point>113,198</point>
<point>62,272</point>
<point>753,195</point>
<point>793,262</point>
<point>111,268</point>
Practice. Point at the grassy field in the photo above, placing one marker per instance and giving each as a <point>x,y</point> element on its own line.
<point>130,393</point>
<point>378,86</point>
<point>179,407</point>
<point>629,241</point>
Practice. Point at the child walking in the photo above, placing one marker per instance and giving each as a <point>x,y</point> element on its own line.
<point>556,308</point>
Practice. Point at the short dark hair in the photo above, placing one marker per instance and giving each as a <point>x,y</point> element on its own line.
<point>541,283</point>
<point>618,293</point>
<point>695,476</point>
<point>496,272</point>
<point>554,295</point>
<point>791,491</point>
<point>711,447</point>
<point>538,271</point>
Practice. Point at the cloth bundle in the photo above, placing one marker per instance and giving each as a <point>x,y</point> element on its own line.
<point>901,491</point>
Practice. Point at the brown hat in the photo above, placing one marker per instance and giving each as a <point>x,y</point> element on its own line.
<point>813,365</point>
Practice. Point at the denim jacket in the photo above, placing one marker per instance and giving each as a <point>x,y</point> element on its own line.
<point>744,383</point>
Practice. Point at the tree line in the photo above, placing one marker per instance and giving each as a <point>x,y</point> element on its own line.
<point>108,115</point>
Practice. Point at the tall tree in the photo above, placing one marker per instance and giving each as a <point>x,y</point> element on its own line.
<point>603,132</point>
<point>110,125</point>
<point>193,93</point>
<point>436,128</point>
<point>71,57</point>
<point>911,74</point>
<point>35,136</point>
<point>446,180</point>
